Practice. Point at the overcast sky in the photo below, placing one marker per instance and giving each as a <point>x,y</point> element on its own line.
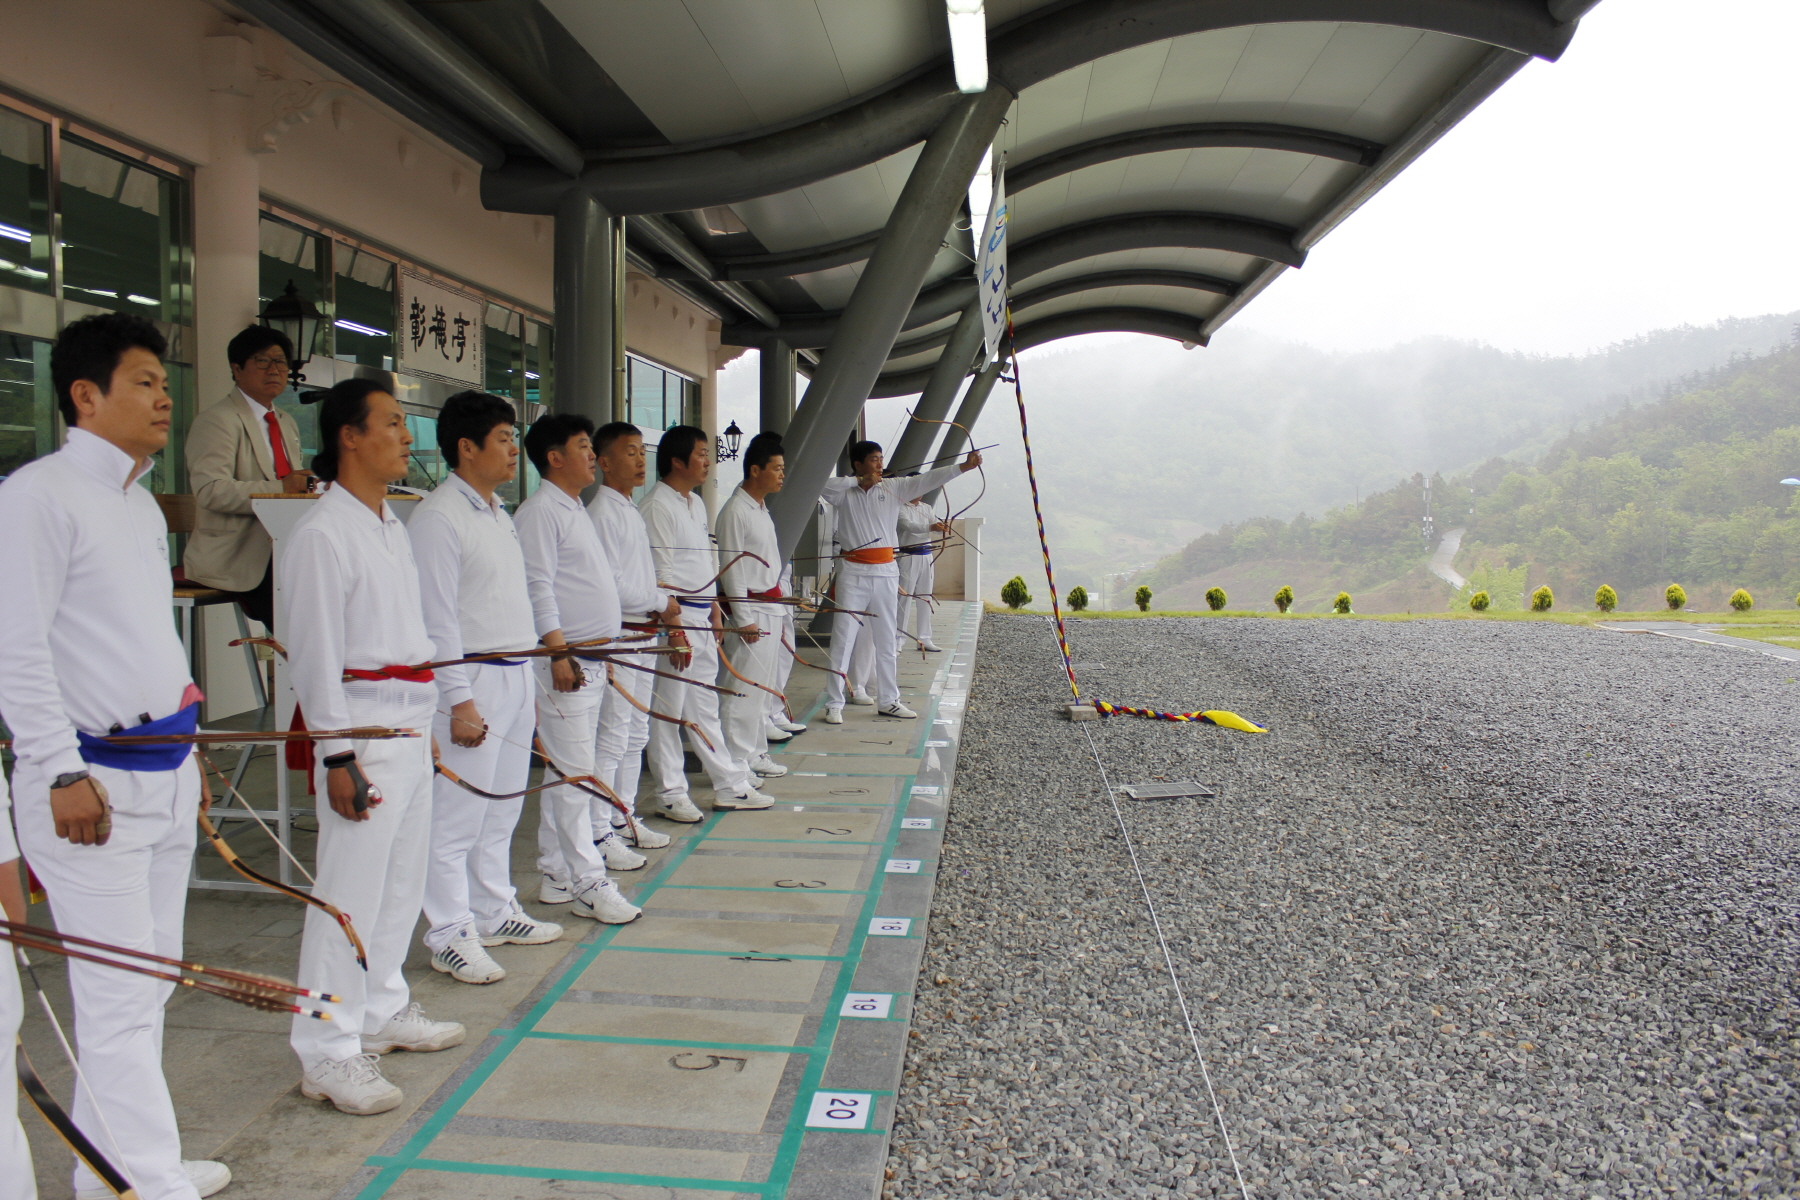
<point>1646,180</point>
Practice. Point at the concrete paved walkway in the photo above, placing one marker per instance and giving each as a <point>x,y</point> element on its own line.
<point>1702,634</point>
<point>745,1037</point>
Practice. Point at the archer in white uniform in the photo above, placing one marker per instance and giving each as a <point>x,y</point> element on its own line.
<point>574,598</point>
<point>624,728</point>
<point>89,649</point>
<point>918,574</point>
<point>351,611</point>
<point>867,511</point>
<point>744,524</point>
<point>686,563</point>
<point>472,584</point>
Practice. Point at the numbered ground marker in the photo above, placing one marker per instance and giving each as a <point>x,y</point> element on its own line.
<point>902,866</point>
<point>924,791</point>
<point>915,822</point>
<point>874,1005</point>
<point>890,926</point>
<point>839,1110</point>
<point>936,745</point>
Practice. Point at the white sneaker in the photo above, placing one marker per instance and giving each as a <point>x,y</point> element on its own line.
<point>520,928</point>
<point>748,798</point>
<point>605,903</point>
<point>788,726</point>
<point>552,890</point>
<point>642,836</point>
<point>411,1029</point>
<point>861,697</point>
<point>207,1176</point>
<point>680,808</point>
<point>767,767</point>
<point>897,709</point>
<point>834,716</point>
<point>466,962</point>
<point>355,1085</point>
<point>776,733</point>
<point>619,856</point>
<point>930,647</point>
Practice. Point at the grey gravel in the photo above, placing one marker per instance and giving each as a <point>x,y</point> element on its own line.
<point>1499,909</point>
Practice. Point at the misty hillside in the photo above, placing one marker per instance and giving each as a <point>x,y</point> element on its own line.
<point>1142,446</point>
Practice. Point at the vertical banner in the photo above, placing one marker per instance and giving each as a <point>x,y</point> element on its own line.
<point>442,331</point>
<point>990,268</point>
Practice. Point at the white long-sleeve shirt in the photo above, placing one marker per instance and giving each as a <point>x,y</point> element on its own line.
<point>85,603</point>
<point>866,520</point>
<point>680,542</point>
<point>571,581</point>
<point>471,580</point>
<point>627,541</point>
<point>349,598</point>
<point>745,524</point>
<point>914,525</point>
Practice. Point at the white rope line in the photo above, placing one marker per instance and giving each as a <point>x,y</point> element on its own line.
<point>1187,1016</point>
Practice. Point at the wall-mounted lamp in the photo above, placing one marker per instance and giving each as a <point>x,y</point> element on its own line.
<point>298,318</point>
<point>727,448</point>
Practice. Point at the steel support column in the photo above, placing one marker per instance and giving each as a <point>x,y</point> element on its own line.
<point>934,402</point>
<point>967,414</point>
<point>585,307</point>
<point>777,379</point>
<point>884,295</point>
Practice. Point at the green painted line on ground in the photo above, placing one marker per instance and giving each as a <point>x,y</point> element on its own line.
<point>509,1038</point>
<point>798,841</point>
<point>551,1174</point>
<point>723,953</point>
<point>718,887</point>
<point>609,1039</point>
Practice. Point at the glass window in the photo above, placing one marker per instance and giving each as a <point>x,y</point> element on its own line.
<point>27,402</point>
<point>289,254</point>
<point>124,246</point>
<point>428,466</point>
<point>504,341</point>
<point>24,203</point>
<point>538,366</point>
<point>363,323</point>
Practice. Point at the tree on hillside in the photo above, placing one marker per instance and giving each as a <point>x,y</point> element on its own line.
<point>1014,595</point>
<point>1142,598</point>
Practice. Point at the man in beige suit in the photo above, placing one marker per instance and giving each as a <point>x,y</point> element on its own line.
<point>237,448</point>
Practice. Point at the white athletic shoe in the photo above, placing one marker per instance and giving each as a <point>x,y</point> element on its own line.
<point>861,697</point>
<point>767,767</point>
<point>520,928</point>
<point>411,1029</point>
<point>645,838</point>
<point>680,808</point>
<point>788,726</point>
<point>355,1085</point>
<point>897,709</point>
<point>834,716</point>
<point>930,647</point>
<point>776,733</point>
<point>748,798</point>
<point>605,903</point>
<point>552,890</point>
<point>619,856</point>
<point>466,962</point>
<point>208,1177</point>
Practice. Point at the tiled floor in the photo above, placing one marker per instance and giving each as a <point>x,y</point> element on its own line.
<point>743,1038</point>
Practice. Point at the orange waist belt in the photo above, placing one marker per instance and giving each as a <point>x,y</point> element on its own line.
<point>871,556</point>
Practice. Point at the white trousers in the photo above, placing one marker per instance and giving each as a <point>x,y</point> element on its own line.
<point>701,707</point>
<point>131,892</point>
<point>746,718</point>
<point>862,657</point>
<point>784,663</point>
<point>18,1179</point>
<point>874,594</point>
<point>375,871</point>
<point>469,881</point>
<point>568,722</point>
<point>624,731</point>
<point>918,575</point>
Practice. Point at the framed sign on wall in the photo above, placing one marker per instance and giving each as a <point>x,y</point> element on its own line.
<point>442,331</point>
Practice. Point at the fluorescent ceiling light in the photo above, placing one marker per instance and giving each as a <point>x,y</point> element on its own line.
<point>137,299</point>
<point>968,44</point>
<point>15,233</point>
<point>353,327</point>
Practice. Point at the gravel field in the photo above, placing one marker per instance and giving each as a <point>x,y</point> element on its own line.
<point>1498,909</point>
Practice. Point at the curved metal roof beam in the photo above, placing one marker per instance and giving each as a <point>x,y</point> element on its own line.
<point>1059,247</point>
<point>1201,136</point>
<point>1158,322</point>
<point>1034,48</point>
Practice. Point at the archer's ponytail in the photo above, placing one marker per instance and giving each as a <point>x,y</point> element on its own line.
<point>345,404</point>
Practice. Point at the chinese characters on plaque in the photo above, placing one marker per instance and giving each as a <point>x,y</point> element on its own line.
<point>441,331</point>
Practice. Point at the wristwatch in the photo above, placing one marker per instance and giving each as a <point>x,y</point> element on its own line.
<point>67,779</point>
<point>334,761</point>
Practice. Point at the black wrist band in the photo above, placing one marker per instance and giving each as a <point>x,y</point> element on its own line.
<point>334,761</point>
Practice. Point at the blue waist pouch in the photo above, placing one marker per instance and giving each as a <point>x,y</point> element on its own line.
<point>166,756</point>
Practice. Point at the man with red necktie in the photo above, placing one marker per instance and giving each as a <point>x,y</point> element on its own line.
<point>241,447</point>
